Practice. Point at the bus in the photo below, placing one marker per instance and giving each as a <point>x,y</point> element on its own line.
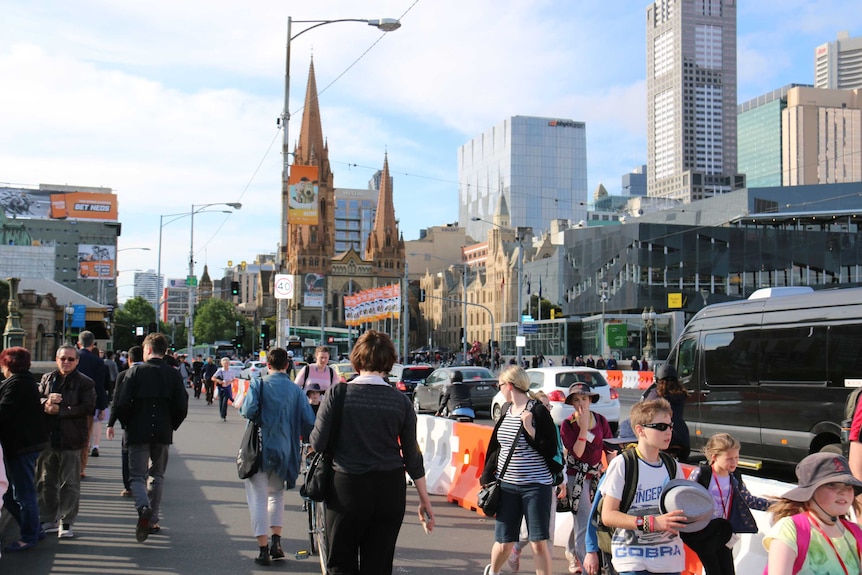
<point>772,371</point>
<point>217,350</point>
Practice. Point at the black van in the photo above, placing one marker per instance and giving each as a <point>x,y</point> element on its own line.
<point>774,371</point>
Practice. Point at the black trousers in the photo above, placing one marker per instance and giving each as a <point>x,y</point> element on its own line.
<point>709,544</point>
<point>363,518</point>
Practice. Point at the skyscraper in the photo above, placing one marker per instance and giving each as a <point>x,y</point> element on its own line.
<point>538,164</point>
<point>838,64</point>
<point>147,285</point>
<point>691,99</point>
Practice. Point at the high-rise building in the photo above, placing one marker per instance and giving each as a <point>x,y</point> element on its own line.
<point>354,218</point>
<point>691,99</point>
<point>635,182</point>
<point>147,285</point>
<point>838,64</point>
<point>175,301</point>
<point>822,134</point>
<point>538,164</point>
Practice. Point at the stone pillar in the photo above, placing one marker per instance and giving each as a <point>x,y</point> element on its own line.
<point>13,335</point>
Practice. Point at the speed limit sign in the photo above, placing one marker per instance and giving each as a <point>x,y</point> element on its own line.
<point>283,286</point>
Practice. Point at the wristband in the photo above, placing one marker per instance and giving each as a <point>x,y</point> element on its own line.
<point>652,523</point>
<point>584,439</point>
<point>639,523</point>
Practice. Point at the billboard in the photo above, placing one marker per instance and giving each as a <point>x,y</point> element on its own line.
<point>314,286</point>
<point>96,262</point>
<point>45,204</point>
<point>302,192</point>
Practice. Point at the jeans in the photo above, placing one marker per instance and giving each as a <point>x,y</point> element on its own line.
<point>148,460</point>
<point>224,394</point>
<point>531,502</point>
<point>20,499</point>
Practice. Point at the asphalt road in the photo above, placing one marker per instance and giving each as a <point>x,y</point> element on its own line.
<point>205,521</point>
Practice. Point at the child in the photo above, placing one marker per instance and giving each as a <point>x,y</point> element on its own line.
<point>644,540</point>
<point>714,544</point>
<point>811,534</point>
<point>313,392</point>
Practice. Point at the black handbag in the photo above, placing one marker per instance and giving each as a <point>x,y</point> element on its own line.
<point>250,454</point>
<point>488,498</point>
<point>318,477</point>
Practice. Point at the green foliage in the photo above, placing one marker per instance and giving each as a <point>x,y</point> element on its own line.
<point>135,312</point>
<point>215,320</point>
<point>533,308</point>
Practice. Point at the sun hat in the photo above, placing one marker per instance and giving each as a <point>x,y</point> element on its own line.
<point>625,434</point>
<point>692,499</point>
<point>313,387</point>
<point>581,388</point>
<point>818,469</point>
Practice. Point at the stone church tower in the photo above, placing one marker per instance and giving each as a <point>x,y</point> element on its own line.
<point>385,247</point>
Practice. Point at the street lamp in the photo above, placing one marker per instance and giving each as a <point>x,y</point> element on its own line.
<point>383,24</point>
<point>648,318</point>
<point>191,281</point>
<point>519,311</point>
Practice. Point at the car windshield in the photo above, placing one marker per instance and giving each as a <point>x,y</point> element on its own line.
<point>476,373</point>
<point>416,372</point>
<point>593,379</point>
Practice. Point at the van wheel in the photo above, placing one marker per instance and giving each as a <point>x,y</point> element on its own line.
<point>833,448</point>
<point>495,413</point>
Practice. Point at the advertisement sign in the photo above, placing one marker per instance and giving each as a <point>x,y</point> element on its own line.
<point>314,287</point>
<point>302,192</point>
<point>96,262</point>
<point>283,286</point>
<point>373,304</point>
<point>79,316</point>
<point>84,206</point>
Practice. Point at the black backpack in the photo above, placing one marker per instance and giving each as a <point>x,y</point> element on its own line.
<point>604,533</point>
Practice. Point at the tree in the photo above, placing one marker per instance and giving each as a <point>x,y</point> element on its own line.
<point>546,307</point>
<point>136,312</point>
<point>215,320</point>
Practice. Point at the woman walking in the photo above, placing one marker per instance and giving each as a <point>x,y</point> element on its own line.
<point>224,377</point>
<point>374,445</point>
<point>527,432</point>
<point>23,436</point>
<point>318,372</point>
<point>283,413</point>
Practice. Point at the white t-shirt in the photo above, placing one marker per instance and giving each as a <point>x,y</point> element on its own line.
<point>633,550</point>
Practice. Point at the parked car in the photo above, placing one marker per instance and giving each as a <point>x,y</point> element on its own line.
<point>405,377</point>
<point>236,365</point>
<point>555,382</point>
<point>343,371</point>
<point>482,382</point>
<point>252,369</point>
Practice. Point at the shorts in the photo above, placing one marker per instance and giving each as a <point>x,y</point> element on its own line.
<point>532,502</point>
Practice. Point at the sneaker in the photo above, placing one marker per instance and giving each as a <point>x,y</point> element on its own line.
<point>50,527</point>
<point>514,560</point>
<point>95,452</point>
<point>263,558</point>
<point>65,531</point>
<point>574,564</point>
<point>275,549</point>
<point>142,529</point>
<point>487,570</point>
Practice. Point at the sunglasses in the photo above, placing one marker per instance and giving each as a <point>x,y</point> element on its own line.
<point>61,358</point>
<point>502,383</point>
<point>659,426</point>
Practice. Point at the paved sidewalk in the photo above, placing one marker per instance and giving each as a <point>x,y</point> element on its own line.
<point>205,521</point>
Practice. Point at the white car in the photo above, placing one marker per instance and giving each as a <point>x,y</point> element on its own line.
<point>555,382</point>
<point>253,369</point>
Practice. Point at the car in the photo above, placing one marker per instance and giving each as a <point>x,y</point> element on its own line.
<point>236,365</point>
<point>482,382</point>
<point>252,369</point>
<point>555,382</point>
<point>344,371</point>
<point>405,377</point>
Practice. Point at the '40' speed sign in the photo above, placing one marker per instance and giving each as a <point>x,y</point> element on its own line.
<point>283,286</point>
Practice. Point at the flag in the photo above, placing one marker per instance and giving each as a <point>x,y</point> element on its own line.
<point>540,287</point>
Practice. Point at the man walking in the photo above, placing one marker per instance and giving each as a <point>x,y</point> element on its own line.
<point>136,356</point>
<point>68,397</point>
<point>93,366</point>
<point>208,372</point>
<point>197,372</point>
<point>151,407</point>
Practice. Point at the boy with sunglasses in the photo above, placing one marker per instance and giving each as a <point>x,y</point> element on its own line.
<point>645,540</point>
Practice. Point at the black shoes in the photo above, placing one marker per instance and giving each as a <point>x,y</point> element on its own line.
<point>95,452</point>
<point>263,558</point>
<point>275,549</point>
<point>142,529</point>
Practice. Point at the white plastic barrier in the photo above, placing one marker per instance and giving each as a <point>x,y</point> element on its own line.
<point>437,443</point>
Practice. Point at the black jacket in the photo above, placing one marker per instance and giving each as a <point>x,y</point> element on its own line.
<point>456,395</point>
<point>22,419</point>
<point>91,365</point>
<point>68,429</point>
<point>152,403</point>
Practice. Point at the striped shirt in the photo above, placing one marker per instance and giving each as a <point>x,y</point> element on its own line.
<point>527,465</point>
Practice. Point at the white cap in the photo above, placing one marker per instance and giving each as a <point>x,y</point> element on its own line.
<point>289,354</point>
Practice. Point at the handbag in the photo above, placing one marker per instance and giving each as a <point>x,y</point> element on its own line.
<point>318,477</point>
<point>488,498</point>
<point>250,454</point>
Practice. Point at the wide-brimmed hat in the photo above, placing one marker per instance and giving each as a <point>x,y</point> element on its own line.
<point>818,469</point>
<point>581,388</point>
<point>313,387</point>
<point>692,498</point>
<point>625,434</point>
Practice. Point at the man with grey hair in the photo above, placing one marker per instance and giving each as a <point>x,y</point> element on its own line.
<point>91,365</point>
<point>68,397</point>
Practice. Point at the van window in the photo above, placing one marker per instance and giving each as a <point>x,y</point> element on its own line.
<point>687,355</point>
<point>730,358</point>
<point>794,354</point>
<point>844,354</point>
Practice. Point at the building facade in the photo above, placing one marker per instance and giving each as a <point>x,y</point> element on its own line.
<point>691,99</point>
<point>354,218</point>
<point>838,64</point>
<point>147,285</point>
<point>538,164</point>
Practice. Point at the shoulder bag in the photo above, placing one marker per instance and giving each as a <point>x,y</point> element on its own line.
<point>488,498</point>
<point>318,478</point>
<point>250,454</point>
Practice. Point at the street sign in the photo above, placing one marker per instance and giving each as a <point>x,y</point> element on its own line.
<point>530,328</point>
<point>283,286</point>
<point>191,281</point>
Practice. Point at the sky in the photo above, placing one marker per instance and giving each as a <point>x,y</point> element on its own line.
<point>173,104</point>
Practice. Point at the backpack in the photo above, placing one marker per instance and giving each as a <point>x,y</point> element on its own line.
<point>604,534</point>
<point>850,406</point>
<point>803,538</point>
<point>308,366</point>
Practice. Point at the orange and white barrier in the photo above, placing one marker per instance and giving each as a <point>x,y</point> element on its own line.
<point>437,443</point>
<point>628,379</point>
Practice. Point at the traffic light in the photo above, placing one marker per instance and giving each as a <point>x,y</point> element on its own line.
<point>241,331</point>
<point>421,295</point>
<point>234,288</point>
<point>264,331</point>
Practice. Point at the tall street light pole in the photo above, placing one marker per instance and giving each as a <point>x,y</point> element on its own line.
<point>383,24</point>
<point>191,280</point>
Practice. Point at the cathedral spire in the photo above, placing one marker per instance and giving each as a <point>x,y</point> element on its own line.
<point>385,247</point>
<point>311,147</point>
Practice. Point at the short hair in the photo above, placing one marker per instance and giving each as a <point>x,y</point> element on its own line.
<point>718,444</point>
<point>320,348</point>
<point>86,338</point>
<point>277,358</point>
<point>157,342</point>
<point>645,411</point>
<point>136,354</point>
<point>109,354</point>
<point>373,351</point>
<point>68,346</point>
<point>15,359</point>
